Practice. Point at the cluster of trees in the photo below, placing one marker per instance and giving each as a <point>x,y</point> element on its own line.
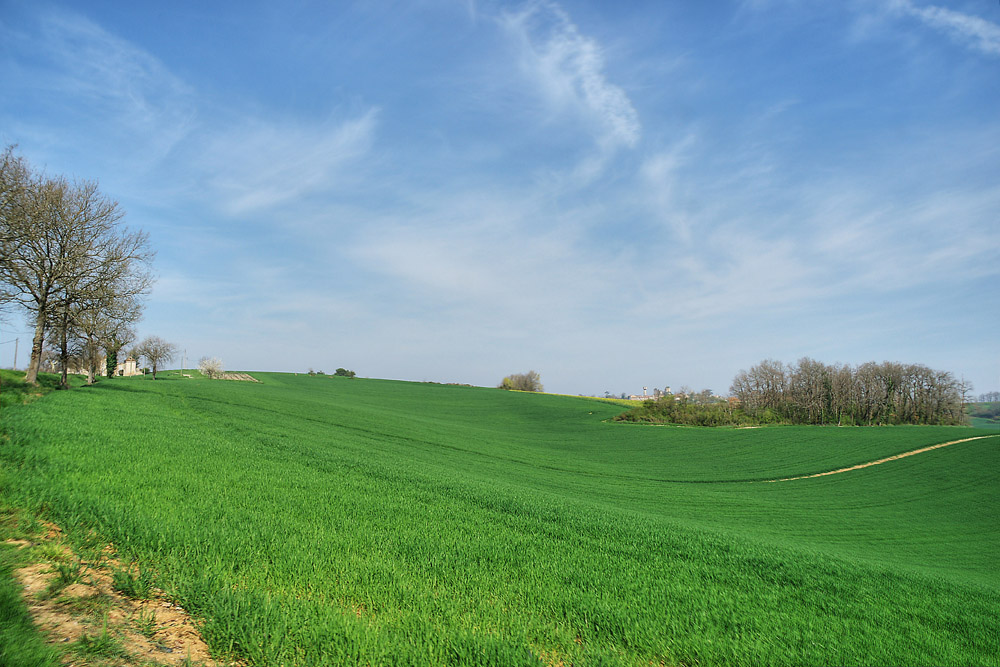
<point>810,392</point>
<point>344,373</point>
<point>529,381</point>
<point>68,263</point>
<point>690,409</point>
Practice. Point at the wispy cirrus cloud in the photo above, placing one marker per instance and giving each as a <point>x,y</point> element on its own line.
<point>568,71</point>
<point>260,164</point>
<point>91,76</point>
<point>660,177</point>
<point>490,200</point>
<point>974,32</point>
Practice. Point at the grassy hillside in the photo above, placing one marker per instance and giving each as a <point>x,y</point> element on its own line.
<point>984,415</point>
<point>317,520</point>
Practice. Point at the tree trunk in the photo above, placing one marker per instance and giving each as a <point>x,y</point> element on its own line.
<point>92,351</point>
<point>31,376</point>
<point>64,352</point>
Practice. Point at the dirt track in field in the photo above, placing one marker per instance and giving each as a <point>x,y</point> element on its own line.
<point>150,632</point>
<point>880,461</point>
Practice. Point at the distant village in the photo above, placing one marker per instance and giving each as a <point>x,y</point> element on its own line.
<point>656,395</point>
<point>703,396</point>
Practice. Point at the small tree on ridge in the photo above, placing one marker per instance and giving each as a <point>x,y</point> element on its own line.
<point>211,367</point>
<point>157,351</point>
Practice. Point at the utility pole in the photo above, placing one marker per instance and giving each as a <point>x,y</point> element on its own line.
<point>15,352</point>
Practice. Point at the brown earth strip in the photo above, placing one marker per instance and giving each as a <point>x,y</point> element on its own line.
<point>242,377</point>
<point>152,631</point>
<point>880,461</point>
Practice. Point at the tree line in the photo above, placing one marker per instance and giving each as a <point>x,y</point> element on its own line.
<point>811,392</point>
<point>71,266</point>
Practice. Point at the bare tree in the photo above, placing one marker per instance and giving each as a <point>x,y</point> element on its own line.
<point>762,387</point>
<point>31,258</point>
<point>50,360</point>
<point>63,253</point>
<point>97,327</point>
<point>156,351</point>
<point>16,183</point>
<point>809,391</point>
<point>872,393</point>
<point>103,317</point>
<point>109,279</point>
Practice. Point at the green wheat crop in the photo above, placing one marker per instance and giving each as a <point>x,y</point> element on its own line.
<point>308,522</point>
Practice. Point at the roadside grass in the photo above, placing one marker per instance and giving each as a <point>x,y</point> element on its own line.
<point>373,522</point>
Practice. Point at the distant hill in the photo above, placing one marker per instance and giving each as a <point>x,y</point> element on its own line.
<point>984,415</point>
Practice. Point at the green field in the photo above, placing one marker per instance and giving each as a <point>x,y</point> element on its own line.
<point>984,415</point>
<point>318,520</point>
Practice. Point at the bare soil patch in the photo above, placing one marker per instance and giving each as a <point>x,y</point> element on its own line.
<point>242,377</point>
<point>74,603</point>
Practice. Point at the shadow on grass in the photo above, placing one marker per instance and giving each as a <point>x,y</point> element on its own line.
<point>14,390</point>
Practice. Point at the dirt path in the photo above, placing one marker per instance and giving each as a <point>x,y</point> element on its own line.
<point>880,461</point>
<point>78,607</point>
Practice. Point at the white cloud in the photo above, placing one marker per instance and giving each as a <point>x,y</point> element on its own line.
<point>259,164</point>
<point>568,71</point>
<point>660,175</point>
<point>115,82</point>
<point>483,258</point>
<point>974,32</point>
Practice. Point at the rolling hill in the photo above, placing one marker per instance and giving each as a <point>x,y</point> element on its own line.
<point>318,520</point>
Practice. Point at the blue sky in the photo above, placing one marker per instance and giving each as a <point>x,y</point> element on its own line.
<point>616,195</point>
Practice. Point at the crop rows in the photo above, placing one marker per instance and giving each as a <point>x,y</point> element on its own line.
<point>328,521</point>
